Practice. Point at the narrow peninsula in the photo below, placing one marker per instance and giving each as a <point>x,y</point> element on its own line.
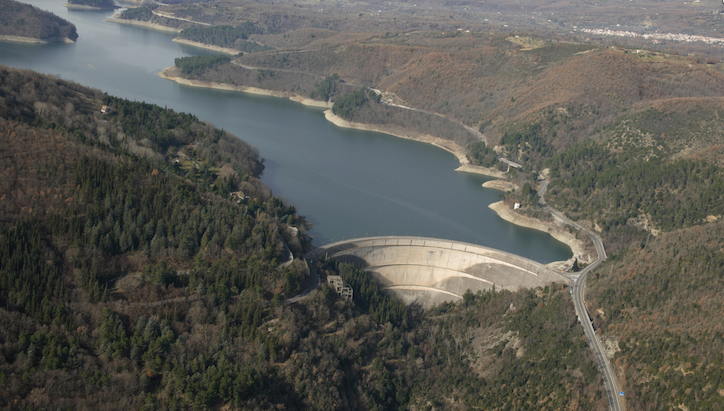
<point>24,23</point>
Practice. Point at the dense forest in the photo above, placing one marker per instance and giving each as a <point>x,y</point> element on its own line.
<point>142,13</point>
<point>134,275</point>
<point>628,133</point>
<point>227,36</point>
<point>213,69</point>
<point>25,20</point>
<point>197,64</point>
<point>365,106</point>
<point>325,89</point>
<point>101,4</point>
<point>140,255</point>
<point>662,301</point>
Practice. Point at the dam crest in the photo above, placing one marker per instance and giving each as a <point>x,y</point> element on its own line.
<point>429,271</point>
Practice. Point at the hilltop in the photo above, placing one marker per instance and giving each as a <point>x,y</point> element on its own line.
<point>26,23</point>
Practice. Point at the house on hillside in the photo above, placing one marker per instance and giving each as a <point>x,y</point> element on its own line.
<point>344,291</point>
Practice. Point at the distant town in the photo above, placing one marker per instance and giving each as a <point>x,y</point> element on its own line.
<point>657,37</point>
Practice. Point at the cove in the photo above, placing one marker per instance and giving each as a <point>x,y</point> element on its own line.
<point>347,183</point>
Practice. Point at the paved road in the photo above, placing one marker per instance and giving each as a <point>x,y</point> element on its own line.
<point>312,288</point>
<point>577,293</point>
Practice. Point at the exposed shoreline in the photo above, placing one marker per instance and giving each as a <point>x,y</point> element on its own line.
<point>500,185</point>
<point>33,40</point>
<point>442,143</point>
<point>138,23</point>
<point>206,46</point>
<point>71,6</point>
<point>439,142</point>
<point>558,232</point>
<point>171,73</point>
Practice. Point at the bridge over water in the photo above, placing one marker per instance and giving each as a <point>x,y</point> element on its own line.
<point>428,271</point>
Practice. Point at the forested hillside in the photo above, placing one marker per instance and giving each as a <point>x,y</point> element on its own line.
<point>226,36</point>
<point>123,220</point>
<point>100,4</point>
<point>133,275</point>
<point>569,93</point>
<point>24,20</point>
<point>662,300</point>
<point>628,133</point>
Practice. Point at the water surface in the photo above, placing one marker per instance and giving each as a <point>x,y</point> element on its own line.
<point>348,183</point>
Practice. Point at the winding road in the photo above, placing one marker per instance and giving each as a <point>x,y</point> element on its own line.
<point>577,294</point>
<point>312,287</point>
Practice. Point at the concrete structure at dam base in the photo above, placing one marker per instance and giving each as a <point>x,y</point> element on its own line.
<point>429,271</point>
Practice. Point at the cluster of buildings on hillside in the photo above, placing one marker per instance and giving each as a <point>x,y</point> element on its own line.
<point>657,37</point>
<point>343,290</point>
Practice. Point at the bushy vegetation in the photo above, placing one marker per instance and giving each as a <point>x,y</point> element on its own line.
<point>226,36</point>
<point>197,64</point>
<point>106,4</point>
<point>25,20</point>
<point>484,352</point>
<point>526,143</point>
<point>346,105</point>
<point>613,187</point>
<point>325,89</point>
<point>480,154</point>
<point>661,300</point>
<point>143,13</point>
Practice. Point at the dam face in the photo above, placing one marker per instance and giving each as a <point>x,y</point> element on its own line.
<point>428,271</point>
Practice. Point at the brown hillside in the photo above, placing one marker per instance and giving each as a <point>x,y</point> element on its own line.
<point>491,81</point>
<point>664,304</point>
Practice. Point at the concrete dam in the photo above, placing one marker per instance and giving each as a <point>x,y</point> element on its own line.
<point>428,271</point>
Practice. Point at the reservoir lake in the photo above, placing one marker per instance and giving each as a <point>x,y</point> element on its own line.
<point>347,183</point>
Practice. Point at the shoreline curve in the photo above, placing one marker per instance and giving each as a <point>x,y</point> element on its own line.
<point>71,6</point>
<point>171,73</point>
<point>139,23</point>
<point>447,145</point>
<point>226,50</point>
<point>558,233</point>
<point>33,40</point>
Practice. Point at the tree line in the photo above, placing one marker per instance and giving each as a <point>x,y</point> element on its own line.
<point>25,20</point>
<point>135,283</point>
<point>197,64</point>
<point>227,36</point>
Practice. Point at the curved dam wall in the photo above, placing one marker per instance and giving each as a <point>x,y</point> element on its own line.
<point>428,271</point>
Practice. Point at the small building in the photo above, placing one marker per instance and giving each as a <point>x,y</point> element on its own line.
<point>239,195</point>
<point>106,109</point>
<point>516,206</point>
<point>344,291</point>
